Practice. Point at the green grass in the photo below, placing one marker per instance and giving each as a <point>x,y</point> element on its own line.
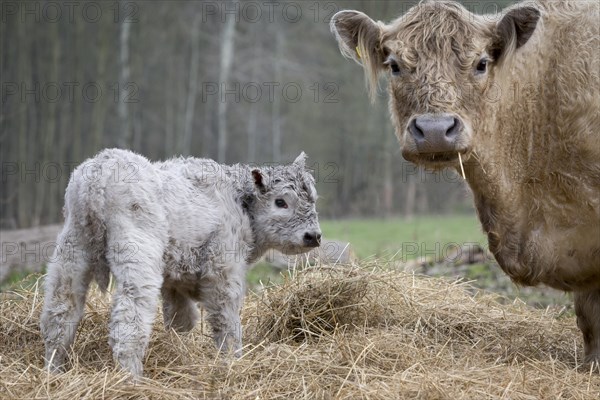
<point>393,238</point>
<point>18,280</point>
<point>408,239</point>
<point>398,239</point>
<point>263,274</point>
<point>385,238</point>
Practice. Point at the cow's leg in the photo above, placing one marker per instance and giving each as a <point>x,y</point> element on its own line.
<point>222,298</point>
<point>179,311</point>
<point>587,308</point>
<point>67,282</point>
<point>135,259</point>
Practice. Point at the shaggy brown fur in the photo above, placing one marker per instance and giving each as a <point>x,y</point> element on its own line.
<point>525,87</point>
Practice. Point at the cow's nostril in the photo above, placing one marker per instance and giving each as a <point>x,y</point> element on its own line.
<point>312,239</point>
<point>415,130</point>
<point>453,130</point>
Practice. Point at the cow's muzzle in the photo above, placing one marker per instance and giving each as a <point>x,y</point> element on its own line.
<point>436,133</point>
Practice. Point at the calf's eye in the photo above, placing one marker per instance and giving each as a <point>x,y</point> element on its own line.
<point>281,203</point>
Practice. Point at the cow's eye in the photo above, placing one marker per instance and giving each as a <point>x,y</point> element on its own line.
<point>394,67</point>
<point>281,203</point>
<point>482,66</point>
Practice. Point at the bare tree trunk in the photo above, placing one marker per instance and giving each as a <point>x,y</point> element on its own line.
<point>100,108</point>
<point>411,196</point>
<point>423,199</point>
<point>208,134</point>
<point>389,142</point>
<point>190,104</point>
<point>276,121</point>
<point>24,62</point>
<point>173,105</point>
<point>252,132</point>
<point>136,121</point>
<point>169,116</point>
<point>8,143</point>
<point>136,129</point>
<point>79,103</point>
<point>253,114</point>
<point>47,194</point>
<point>124,139</point>
<point>225,71</point>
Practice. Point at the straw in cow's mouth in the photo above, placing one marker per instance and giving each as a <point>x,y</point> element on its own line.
<point>462,170</point>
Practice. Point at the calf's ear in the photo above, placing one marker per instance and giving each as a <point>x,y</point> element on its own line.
<point>359,38</point>
<point>260,180</point>
<point>300,161</point>
<point>514,30</point>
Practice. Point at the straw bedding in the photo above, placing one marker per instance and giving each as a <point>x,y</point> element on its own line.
<point>325,333</point>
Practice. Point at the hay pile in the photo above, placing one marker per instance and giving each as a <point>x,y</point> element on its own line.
<point>328,332</point>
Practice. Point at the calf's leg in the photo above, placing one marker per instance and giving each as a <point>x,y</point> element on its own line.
<point>222,298</point>
<point>179,311</point>
<point>587,308</point>
<point>135,259</point>
<point>66,284</point>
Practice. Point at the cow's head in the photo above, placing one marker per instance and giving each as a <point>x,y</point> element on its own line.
<point>442,61</point>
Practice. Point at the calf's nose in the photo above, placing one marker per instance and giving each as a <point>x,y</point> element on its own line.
<point>312,239</point>
<point>435,133</point>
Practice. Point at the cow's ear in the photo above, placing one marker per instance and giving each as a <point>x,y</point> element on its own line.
<point>514,30</point>
<point>360,38</point>
<point>260,180</point>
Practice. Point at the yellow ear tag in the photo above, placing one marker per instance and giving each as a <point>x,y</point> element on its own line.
<point>358,52</point>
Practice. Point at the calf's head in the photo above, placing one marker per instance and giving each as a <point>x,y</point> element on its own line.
<point>284,211</point>
<point>442,62</point>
